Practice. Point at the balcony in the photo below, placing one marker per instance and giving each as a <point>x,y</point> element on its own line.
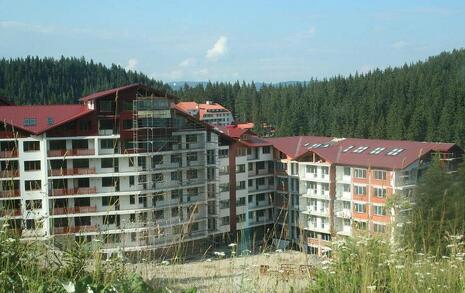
<point>72,191</point>
<point>317,211</point>
<point>318,242</point>
<point>75,229</point>
<point>75,210</point>
<point>9,193</point>
<point>9,173</point>
<point>71,171</point>
<point>72,152</point>
<point>344,213</point>
<point>11,212</point>
<point>9,154</point>
<point>343,195</point>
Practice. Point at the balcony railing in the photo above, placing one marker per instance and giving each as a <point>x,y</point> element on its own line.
<point>71,171</point>
<point>72,152</point>
<point>9,193</point>
<point>75,229</point>
<point>73,191</point>
<point>11,212</point>
<point>75,210</point>
<point>9,154</point>
<point>9,173</point>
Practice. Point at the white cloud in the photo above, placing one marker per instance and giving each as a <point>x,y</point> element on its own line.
<point>399,44</point>
<point>219,49</point>
<point>132,64</point>
<point>187,62</point>
<point>201,72</point>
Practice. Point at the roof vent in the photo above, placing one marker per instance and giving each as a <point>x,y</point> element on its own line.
<point>50,121</point>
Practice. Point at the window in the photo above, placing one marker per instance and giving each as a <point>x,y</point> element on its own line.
<point>360,149</point>
<point>266,150</point>
<point>191,138</point>
<point>127,124</point>
<point>380,192</point>
<point>30,121</point>
<point>157,177</point>
<point>224,204</point>
<point>175,212</point>
<point>107,182</point>
<point>240,202</point>
<point>157,160</point>
<point>110,200</point>
<point>360,173</point>
<point>377,151</point>
<point>158,215</point>
<point>175,158</point>
<point>31,146</point>
<point>131,180</point>
<point>191,174</point>
<point>346,187</point>
<point>31,185</point>
<point>380,210</point>
<point>310,169</point>
<point>132,218</point>
<point>132,199</point>
<point>346,205</point>
<point>395,152</point>
<point>360,208</point>
<point>223,153</point>
<point>175,194</point>
<point>107,143</point>
<point>175,176</point>
<point>347,149</point>
<point>346,171</point>
<point>33,204</point>
<point>325,186</point>
<point>240,168</point>
<point>360,190</point>
<point>379,228</point>
<point>224,187</point>
<point>361,225</point>
<point>106,106</point>
<point>325,170</point>
<point>225,221</point>
<point>241,185</point>
<point>107,163</point>
<point>32,165</point>
<point>380,174</point>
<point>191,157</point>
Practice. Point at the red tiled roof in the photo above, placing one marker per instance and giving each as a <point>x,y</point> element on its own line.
<point>249,125</point>
<point>113,91</point>
<point>186,106</point>
<point>59,114</point>
<point>255,141</point>
<point>295,147</point>
<point>232,131</point>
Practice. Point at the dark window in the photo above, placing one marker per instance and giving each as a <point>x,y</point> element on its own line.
<point>266,150</point>
<point>32,185</point>
<point>32,165</point>
<point>107,163</point>
<point>31,146</point>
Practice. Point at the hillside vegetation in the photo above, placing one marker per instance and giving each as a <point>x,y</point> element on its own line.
<point>421,101</point>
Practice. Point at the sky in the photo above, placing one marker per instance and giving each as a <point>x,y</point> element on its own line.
<point>264,41</point>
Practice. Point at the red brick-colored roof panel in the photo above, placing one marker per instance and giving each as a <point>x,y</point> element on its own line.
<point>40,118</point>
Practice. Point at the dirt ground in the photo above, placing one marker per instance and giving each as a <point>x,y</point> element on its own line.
<point>236,274</point>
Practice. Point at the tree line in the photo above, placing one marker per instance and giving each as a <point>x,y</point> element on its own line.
<point>418,101</point>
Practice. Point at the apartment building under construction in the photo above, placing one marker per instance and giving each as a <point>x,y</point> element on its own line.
<point>127,167</point>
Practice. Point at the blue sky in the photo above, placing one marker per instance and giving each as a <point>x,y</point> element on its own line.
<point>236,40</point>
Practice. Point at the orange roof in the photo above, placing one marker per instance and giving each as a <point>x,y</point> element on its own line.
<point>186,106</point>
<point>249,125</point>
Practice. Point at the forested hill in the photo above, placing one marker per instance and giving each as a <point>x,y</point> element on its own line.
<point>34,80</point>
<point>421,101</point>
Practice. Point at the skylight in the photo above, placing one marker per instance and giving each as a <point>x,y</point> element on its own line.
<point>360,149</point>
<point>377,150</point>
<point>315,145</point>
<point>307,144</point>
<point>50,121</point>
<point>30,122</point>
<point>395,152</point>
<point>347,149</point>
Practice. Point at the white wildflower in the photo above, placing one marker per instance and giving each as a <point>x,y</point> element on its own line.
<point>399,267</point>
<point>69,287</point>
<point>371,288</point>
<point>165,262</point>
<point>208,260</point>
<point>219,253</point>
<point>232,245</point>
<point>278,250</point>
